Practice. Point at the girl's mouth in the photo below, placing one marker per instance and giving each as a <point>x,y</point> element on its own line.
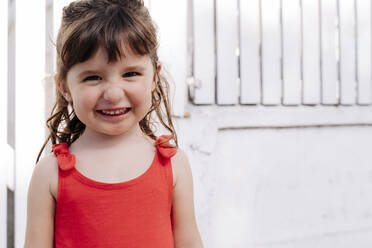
<point>114,113</point>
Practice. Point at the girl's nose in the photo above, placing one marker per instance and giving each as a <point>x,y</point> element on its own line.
<point>113,93</point>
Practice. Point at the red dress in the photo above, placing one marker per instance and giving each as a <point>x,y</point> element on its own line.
<point>131,214</point>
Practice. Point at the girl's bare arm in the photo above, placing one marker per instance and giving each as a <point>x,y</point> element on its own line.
<point>186,233</point>
<point>41,206</point>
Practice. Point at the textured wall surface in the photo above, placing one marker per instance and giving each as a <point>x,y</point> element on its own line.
<point>281,188</point>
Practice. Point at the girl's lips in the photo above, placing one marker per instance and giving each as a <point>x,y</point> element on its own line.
<point>114,117</point>
<point>113,109</point>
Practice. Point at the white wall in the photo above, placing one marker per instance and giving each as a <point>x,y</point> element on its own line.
<point>280,187</point>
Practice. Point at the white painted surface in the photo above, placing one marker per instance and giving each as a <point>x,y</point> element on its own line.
<point>329,46</point>
<point>50,66</point>
<point>281,187</point>
<point>227,47</point>
<point>291,21</point>
<point>57,18</point>
<point>172,28</point>
<point>364,51</point>
<point>4,161</point>
<point>347,52</point>
<point>279,116</point>
<point>250,69</point>
<point>271,52</point>
<point>147,3</point>
<point>30,65</point>
<point>204,51</point>
<point>311,51</point>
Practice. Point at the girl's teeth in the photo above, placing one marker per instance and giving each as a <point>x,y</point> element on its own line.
<point>113,112</point>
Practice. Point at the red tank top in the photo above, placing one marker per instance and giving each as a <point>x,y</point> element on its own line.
<point>135,213</point>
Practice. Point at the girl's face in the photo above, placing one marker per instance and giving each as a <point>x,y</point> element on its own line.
<point>99,89</point>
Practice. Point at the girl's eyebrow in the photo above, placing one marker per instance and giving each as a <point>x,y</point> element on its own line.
<point>83,73</point>
<point>135,68</point>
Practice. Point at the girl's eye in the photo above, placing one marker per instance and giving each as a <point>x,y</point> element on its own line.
<point>131,74</point>
<point>92,78</point>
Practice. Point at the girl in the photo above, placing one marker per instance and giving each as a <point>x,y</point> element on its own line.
<point>110,182</point>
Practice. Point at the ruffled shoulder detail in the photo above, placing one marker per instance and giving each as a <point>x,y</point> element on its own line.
<point>165,149</point>
<point>66,160</point>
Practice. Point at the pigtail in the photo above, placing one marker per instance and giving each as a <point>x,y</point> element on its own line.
<point>64,127</point>
<point>159,97</point>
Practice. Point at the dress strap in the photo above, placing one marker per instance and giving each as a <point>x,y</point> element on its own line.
<point>66,160</point>
<point>165,149</point>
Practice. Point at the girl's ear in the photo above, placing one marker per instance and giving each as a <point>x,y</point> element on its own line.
<point>62,89</point>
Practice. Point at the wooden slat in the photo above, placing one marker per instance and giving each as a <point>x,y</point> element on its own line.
<point>364,51</point>
<point>204,51</point>
<point>347,52</point>
<point>258,117</point>
<point>310,52</point>
<point>227,45</point>
<point>50,61</point>
<point>172,28</point>
<point>147,3</point>
<point>271,52</point>
<point>57,17</point>
<point>3,120</point>
<point>250,69</point>
<point>291,19</point>
<point>30,64</point>
<point>329,39</point>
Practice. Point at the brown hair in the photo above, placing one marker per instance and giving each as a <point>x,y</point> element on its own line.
<point>88,24</point>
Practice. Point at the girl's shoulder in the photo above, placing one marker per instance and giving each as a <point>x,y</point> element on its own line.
<point>47,169</point>
<point>180,164</point>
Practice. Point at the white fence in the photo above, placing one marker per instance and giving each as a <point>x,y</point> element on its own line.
<point>238,53</point>
<point>289,52</point>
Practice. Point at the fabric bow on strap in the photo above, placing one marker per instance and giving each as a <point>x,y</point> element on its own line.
<point>165,149</point>
<point>66,160</point>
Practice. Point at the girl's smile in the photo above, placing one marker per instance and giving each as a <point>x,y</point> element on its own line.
<point>114,114</point>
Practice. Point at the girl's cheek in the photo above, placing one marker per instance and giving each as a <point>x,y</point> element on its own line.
<point>85,99</point>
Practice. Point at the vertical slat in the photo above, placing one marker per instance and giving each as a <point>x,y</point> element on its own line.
<point>3,119</point>
<point>50,61</point>
<point>291,19</point>
<point>250,71</point>
<point>173,47</point>
<point>364,51</point>
<point>49,37</point>
<point>271,52</point>
<point>347,52</point>
<point>30,64</point>
<point>11,90</point>
<point>227,45</point>
<point>310,52</point>
<point>57,18</point>
<point>329,38</point>
<point>147,3</point>
<point>11,105</point>
<point>204,51</point>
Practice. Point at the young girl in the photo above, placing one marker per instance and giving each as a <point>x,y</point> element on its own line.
<point>110,182</point>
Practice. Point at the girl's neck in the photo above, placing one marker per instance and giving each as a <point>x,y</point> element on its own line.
<point>97,141</point>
